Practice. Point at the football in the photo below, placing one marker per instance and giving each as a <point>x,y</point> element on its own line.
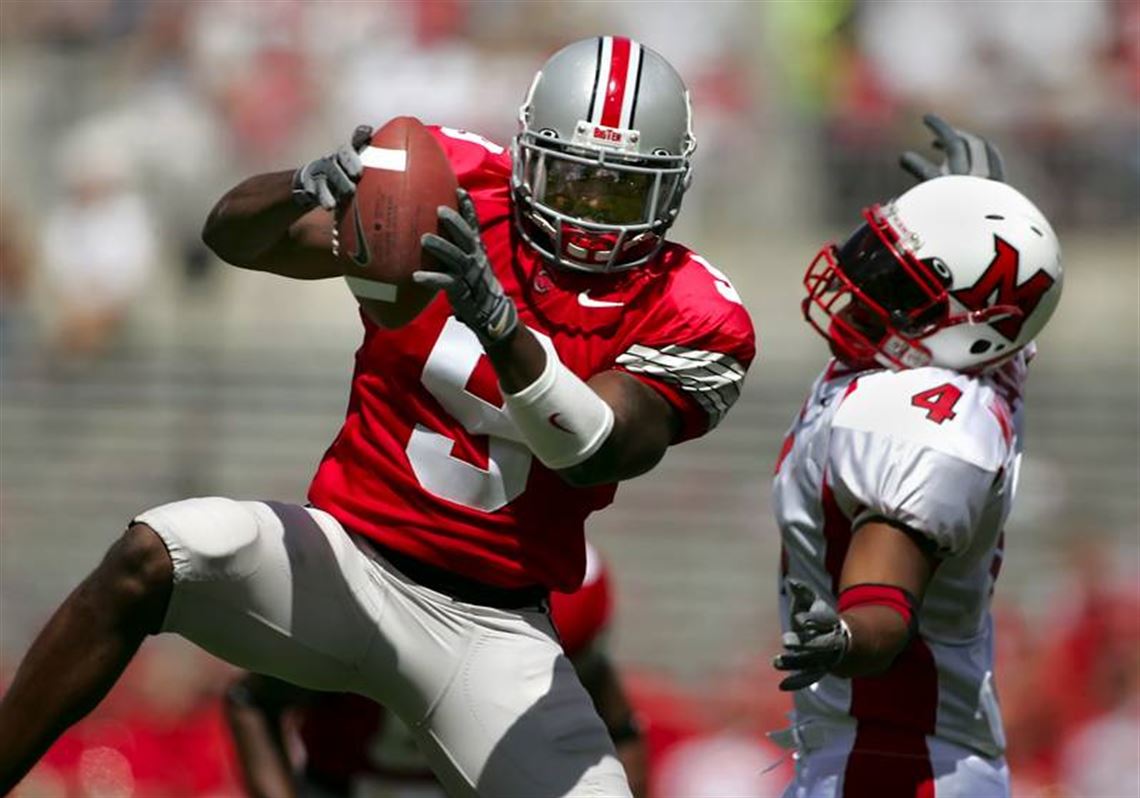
<point>406,177</point>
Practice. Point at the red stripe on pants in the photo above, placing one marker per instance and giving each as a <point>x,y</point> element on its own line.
<point>615,85</point>
<point>888,763</point>
<point>895,711</point>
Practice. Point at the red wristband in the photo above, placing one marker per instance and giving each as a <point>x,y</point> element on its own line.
<point>889,596</point>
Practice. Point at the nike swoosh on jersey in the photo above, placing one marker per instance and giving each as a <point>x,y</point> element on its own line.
<point>585,301</point>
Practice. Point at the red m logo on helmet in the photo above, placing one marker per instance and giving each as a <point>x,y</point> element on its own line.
<point>999,283</point>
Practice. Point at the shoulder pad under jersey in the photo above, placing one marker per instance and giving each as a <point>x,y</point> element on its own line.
<point>947,411</point>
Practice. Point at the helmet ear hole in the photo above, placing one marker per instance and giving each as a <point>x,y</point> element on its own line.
<point>980,347</point>
<point>940,269</point>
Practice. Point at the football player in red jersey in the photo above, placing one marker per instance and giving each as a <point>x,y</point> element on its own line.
<point>572,344</point>
<point>353,748</point>
<point>897,477</point>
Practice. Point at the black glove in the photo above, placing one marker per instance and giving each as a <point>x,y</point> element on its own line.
<point>476,295</point>
<point>332,179</point>
<point>817,642</point>
<point>965,153</point>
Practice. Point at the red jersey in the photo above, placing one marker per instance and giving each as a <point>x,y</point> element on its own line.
<point>428,462</point>
<point>350,739</point>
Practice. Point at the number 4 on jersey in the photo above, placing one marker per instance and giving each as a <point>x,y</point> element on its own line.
<point>938,402</point>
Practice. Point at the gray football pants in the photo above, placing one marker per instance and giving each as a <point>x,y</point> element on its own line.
<point>284,590</point>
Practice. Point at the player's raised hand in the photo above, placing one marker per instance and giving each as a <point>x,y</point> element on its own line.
<point>331,179</point>
<point>964,153</point>
<point>817,640</point>
<point>476,295</point>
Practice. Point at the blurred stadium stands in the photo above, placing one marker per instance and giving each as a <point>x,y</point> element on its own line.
<point>199,379</point>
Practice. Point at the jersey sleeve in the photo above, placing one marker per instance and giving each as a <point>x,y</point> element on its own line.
<point>921,449</point>
<point>695,349</point>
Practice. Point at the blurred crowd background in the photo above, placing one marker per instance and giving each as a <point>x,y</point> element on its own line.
<point>136,369</point>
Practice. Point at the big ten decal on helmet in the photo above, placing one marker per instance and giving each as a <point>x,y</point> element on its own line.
<point>602,157</point>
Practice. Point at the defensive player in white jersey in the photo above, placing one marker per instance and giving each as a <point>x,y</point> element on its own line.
<point>896,479</point>
<point>570,345</point>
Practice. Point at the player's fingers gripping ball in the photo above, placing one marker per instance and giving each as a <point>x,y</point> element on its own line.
<point>331,179</point>
<point>464,272</point>
<point>405,177</point>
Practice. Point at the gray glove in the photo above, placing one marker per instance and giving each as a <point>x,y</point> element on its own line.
<point>965,154</point>
<point>818,639</point>
<point>476,295</point>
<point>330,180</point>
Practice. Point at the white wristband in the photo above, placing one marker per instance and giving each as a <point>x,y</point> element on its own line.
<point>561,417</point>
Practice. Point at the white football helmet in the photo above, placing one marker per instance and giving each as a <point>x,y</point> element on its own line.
<point>959,272</point>
<point>602,157</point>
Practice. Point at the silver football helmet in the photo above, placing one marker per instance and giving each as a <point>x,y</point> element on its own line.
<point>602,157</point>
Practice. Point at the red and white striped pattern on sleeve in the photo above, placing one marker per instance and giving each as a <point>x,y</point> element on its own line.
<point>712,379</point>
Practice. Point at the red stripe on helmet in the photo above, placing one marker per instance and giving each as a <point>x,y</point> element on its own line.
<point>616,83</point>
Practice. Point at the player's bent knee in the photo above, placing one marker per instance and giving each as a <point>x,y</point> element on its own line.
<point>141,555</point>
<point>208,539</point>
<point>136,577</point>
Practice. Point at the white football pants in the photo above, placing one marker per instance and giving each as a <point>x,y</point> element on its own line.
<point>283,590</point>
<point>953,771</point>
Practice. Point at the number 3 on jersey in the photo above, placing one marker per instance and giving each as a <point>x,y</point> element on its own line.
<point>449,367</point>
<point>938,402</point>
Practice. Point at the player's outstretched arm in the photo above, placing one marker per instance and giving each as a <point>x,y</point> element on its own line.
<point>281,222</point>
<point>254,708</point>
<point>607,430</point>
<point>884,577</point>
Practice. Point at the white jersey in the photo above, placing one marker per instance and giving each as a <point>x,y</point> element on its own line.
<point>938,451</point>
